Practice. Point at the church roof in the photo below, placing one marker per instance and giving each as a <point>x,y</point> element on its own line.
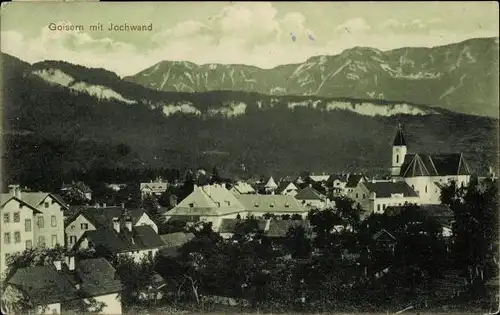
<point>423,164</point>
<point>399,140</point>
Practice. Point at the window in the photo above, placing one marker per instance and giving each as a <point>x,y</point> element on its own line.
<point>6,238</point>
<point>27,225</point>
<point>17,217</point>
<point>17,237</point>
<point>357,195</point>
<point>29,244</point>
<point>6,217</point>
<point>72,239</point>
<point>150,254</point>
<point>41,240</point>
<point>53,221</point>
<point>378,207</point>
<point>54,240</point>
<point>84,226</point>
<point>364,196</point>
<point>425,188</point>
<point>20,205</point>
<point>46,205</point>
<point>41,223</point>
<point>397,158</point>
<point>383,206</point>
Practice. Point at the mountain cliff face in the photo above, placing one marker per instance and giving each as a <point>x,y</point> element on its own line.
<point>461,77</point>
<point>89,118</point>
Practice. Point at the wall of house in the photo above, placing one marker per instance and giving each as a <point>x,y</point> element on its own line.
<point>75,229</point>
<point>312,204</point>
<point>52,230</point>
<point>378,205</point>
<point>259,214</point>
<point>26,235</point>
<point>139,255</point>
<point>361,195</point>
<point>113,303</point>
<point>431,195</point>
<point>146,220</point>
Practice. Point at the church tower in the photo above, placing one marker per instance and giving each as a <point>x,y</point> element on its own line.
<point>398,152</point>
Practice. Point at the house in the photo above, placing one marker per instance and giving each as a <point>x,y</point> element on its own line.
<point>64,286</point>
<point>17,227</point>
<point>376,196</point>
<point>259,205</point>
<point>153,188</point>
<point>209,203</point>
<point>385,240</point>
<point>270,186</point>
<point>79,188</point>
<point>353,180</point>
<point>242,188</point>
<point>287,188</point>
<point>127,240</point>
<point>311,198</point>
<point>91,218</point>
<point>336,183</point>
<point>212,203</point>
<point>427,173</point>
<point>30,219</point>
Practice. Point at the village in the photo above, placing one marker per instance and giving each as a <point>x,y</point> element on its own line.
<point>209,240</point>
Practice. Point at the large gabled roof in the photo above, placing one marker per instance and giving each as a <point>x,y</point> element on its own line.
<point>270,203</point>
<point>210,200</point>
<point>386,188</point>
<point>103,217</point>
<point>43,284</point>
<point>4,198</point>
<point>140,238</point>
<point>309,193</point>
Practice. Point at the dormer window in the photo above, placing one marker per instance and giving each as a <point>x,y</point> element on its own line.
<point>287,205</point>
<point>46,205</point>
<point>191,204</point>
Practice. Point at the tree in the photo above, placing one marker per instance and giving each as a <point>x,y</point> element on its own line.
<point>297,243</point>
<point>475,232</point>
<point>135,276</point>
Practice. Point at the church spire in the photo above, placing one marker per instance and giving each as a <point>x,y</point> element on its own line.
<point>399,140</point>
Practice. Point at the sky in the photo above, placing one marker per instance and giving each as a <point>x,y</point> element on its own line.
<point>263,34</point>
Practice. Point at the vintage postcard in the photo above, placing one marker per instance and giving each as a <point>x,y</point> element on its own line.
<point>249,157</point>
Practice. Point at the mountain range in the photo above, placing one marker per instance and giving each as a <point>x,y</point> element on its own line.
<point>462,77</point>
<point>60,116</point>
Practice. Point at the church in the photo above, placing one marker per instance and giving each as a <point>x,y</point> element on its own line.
<point>426,173</point>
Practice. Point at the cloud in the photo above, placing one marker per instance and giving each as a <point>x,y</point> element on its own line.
<point>242,33</point>
<point>354,25</point>
<point>416,24</point>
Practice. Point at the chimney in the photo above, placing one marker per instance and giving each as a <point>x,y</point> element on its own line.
<point>116,225</point>
<point>123,205</point>
<point>58,264</point>
<point>104,205</point>
<point>15,190</point>
<point>310,185</point>
<point>70,262</point>
<point>128,223</point>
